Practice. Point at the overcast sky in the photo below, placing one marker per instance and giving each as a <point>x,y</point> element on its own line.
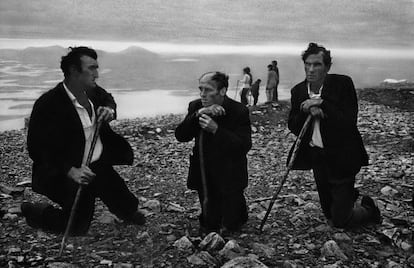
<point>342,23</point>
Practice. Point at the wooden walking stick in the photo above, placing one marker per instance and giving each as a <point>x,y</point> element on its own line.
<point>289,167</point>
<point>203,174</point>
<point>78,193</point>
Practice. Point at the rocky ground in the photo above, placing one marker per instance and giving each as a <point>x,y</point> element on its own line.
<point>296,233</point>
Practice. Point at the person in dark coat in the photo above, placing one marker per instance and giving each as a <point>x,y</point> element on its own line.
<point>275,94</point>
<point>227,139</point>
<point>255,91</point>
<point>332,146</point>
<point>60,131</point>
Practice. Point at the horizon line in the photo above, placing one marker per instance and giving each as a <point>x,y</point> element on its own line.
<point>169,48</point>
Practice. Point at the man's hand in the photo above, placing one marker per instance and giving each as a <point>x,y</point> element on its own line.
<point>212,110</point>
<point>316,112</point>
<point>105,113</point>
<point>82,175</point>
<point>207,124</point>
<point>307,104</point>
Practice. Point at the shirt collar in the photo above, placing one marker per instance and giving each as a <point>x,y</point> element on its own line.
<point>70,95</point>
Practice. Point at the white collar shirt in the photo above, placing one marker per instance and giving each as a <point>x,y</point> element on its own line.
<point>316,140</point>
<point>89,125</point>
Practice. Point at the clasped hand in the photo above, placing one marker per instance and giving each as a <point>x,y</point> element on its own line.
<point>82,175</point>
<point>207,123</point>
<point>212,110</point>
<point>312,106</point>
<point>106,114</point>
<point>205,120</point>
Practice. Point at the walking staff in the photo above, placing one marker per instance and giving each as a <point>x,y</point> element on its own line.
<point>289,167</point>
<point>203,174</point>
<point>78,193</point>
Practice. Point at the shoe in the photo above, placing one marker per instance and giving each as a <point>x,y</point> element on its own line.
<point>368,203</point>
<point>32,213</point>
<point>135,218</point>
<point>356,195</point>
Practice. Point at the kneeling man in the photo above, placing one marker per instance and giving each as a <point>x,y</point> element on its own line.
<point>226,141</point>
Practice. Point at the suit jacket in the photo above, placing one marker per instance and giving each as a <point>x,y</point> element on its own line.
<point>56,138</point>
<point>341,139</point>
<point>224,152</point>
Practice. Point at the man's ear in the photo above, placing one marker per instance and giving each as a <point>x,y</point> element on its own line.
<point>223,91</point>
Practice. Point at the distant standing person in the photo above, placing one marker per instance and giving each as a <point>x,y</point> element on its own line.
<point>246,82</point>
<point>255,91</point>
<point>61,129</point>
<point>271,83</point>
<point>226,129</point>
<point>275,96</point>
<point>332,146</point>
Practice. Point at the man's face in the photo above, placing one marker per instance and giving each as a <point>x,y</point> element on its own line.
<point>208,91</point>
<point>315,68</point>
<point>89,73</point>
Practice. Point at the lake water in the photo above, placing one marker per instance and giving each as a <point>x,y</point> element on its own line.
<point>146,84</point>
<point>14,106</point>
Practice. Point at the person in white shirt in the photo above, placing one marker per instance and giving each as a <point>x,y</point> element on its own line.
<point>246,82</point>
<point>60,133</point>
<point>332,146</point>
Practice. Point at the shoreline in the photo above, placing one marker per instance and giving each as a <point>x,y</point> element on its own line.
<point>400,96</point>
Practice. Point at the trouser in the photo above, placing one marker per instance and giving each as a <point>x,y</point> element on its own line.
<point>337,194</point>
<point>275,95</point>
<point>269,94</point>
<point>255,98</point>
<point>107,185</point>
<point>243,96</point>
<point>224,209</point>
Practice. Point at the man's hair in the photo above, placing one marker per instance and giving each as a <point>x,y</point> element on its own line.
<point>73,58</point>
<point>314,48</point>
<point>221,79</point>
<point>246,70</point>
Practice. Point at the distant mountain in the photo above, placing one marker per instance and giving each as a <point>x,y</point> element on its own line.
<point>52,54</point>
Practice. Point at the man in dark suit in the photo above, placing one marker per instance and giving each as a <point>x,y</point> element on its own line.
<point>332,146</point>
<point>227,139</point>
<point>60,134</point>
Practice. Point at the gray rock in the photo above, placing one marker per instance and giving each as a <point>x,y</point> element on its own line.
<point>393,264</point>
<point>123,265</point>
<point>203,258</point>
<point>410,261</point>
<point>14,210</point>
<point>341,237</point>
<point>289,264</point>
<point>213,241</point>
<point>244,262</point>
<point>331,249</point>
<point>183,243</point>
<point>61,265</point>
<point>388,191</point>
<point>107,218</point>
<point>153,205</point>
<point>231,250</point>
<point>263,250</point>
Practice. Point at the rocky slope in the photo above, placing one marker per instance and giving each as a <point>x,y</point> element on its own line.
<point>296,234</point>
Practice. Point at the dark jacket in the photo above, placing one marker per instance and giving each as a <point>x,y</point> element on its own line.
<point>341,139</point>
<point>56,139</point>
<point>224,152</point>
<point>255,88</point>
